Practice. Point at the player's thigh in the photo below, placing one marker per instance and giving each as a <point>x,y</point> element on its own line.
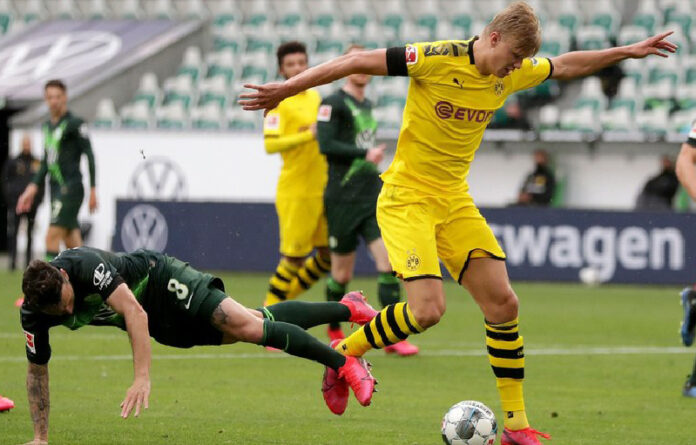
<point>343,222</point>
<point>298,221</point>
<point>73,238</point>
<point>237,323</point>
<point>465,235</point>
<point>65,206</point>
<point>407,222</point>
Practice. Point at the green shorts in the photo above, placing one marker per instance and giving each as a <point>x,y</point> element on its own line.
<point>179,302</point>
<point>65,205</point>
<point>348,221</point>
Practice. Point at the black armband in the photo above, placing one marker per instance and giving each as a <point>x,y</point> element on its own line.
<point>396,61</point>
<point>550,69</point>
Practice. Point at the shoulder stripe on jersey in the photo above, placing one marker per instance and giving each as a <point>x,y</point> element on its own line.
<point>396,61</point>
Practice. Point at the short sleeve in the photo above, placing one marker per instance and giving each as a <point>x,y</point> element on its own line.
<point>273,123</point>
<point>36,344</point>
<point>533,71</point>
<point>692,135</point>
<point>89,272</point>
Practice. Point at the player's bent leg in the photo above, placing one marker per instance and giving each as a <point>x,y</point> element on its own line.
<point>309,272</point>
<point>279,284</point>
<point>353,308</point>
<point>54,235</point>
<point>73,239</point>
<point>396,322</point>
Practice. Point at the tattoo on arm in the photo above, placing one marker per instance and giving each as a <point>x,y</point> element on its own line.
<point>39,401</point>
<point>219,317</point>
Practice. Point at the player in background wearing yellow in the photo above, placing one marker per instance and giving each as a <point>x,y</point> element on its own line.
<point>425,211</point>
<point>290,129</point>
<point>686,172</point>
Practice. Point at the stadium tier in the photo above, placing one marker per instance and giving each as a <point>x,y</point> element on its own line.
<point>657,97</point>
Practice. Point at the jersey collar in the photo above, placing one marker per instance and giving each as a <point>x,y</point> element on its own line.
<point>470,50</point>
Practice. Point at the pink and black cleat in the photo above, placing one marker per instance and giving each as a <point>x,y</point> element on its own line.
<point>403,349</point>
<point>360,311</point>
<point>6,404</point>
<point>356,372</point>
<point>526,436</point>
<point>334,389</point>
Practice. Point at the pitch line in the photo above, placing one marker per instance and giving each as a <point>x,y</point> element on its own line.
<point>600,350</point>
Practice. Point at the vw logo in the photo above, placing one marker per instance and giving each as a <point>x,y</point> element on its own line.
<point>31,62</point>
<point>158,178</point>
<point>144,227</point>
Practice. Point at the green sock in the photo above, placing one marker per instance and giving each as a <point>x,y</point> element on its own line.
<point>50,255</point>
<point>388,289</point>
<point>306,315</point>
<point>295,341</point>
<point>334,292</point>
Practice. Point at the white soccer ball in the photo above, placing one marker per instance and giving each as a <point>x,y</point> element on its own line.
<point>589,276</point>
<point>469,423</point>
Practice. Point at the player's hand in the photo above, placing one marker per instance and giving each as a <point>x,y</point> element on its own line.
<point>654,45</point>
<point>26,199</point>
<point>266,97</point>
<point>137,397</point>
<point>93,204</point>
<point>376,154</point>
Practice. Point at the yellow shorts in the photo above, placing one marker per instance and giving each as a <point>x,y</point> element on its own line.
<point>418,228</point>
<point>302,225</point>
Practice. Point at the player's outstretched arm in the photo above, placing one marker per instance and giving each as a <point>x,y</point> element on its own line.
<point>268,96</point>
<point>686,169</point>
<point>123,301</point>
<point>39,401</point>
<point>583,63</point>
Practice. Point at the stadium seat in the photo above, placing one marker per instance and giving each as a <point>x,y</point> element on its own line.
<point>6,16</point>
<point>66,10</point>
<point>631,34</point>
<point>617,119</point>
<point>635,69</point>
<point>591,95</point>
<point>681,16</point>
<point>689,68</point>
<point>192,63</point>
<point>580,119</point>
<point>323,13</point>
<point>178,90</point>
<point>628,96</point>
<point>680,121</point>
<point>171,116</point>
<point>592,37</point>
<point>97,10</point>
<point>129,9</point>
<point>388,118</point>
<point>556,39</point>
<point>261,37</point>
<point>648,16</point>
<point>412,32</point>
<point>229,36</point>
<point>289,12</point>
<point>489,8</point>
<point>659,69</point>
<point>256,65</point>
<point>238,119</point>
<point>207,117</point>
<point>136,115</point>
<point>222,63</point>
<point>106,115</point>
<point>213,89</point>
<point>602,13</point>
<point>194,10</point>
<point>392,14</point>
<point>33,11</point>
<point>148,90</point>
<point>357,13</point>
<point>425,14</point>
<point>569,15</point>
<point>225,12</point>
<point>653,121</point>
<point>549,117</point>
<point>300,31</point>
<point>371,36</point>
<point>258,12</point>
<point>392,91</point>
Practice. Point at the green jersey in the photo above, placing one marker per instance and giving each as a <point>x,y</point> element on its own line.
<point>346,129</point>
<point>64,143</point>
<point>94,275</point>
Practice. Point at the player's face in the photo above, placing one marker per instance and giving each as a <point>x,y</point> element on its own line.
<point>504,58</point>
<point>56,99</point>
<point>293,64</point>
<point>66,305</point>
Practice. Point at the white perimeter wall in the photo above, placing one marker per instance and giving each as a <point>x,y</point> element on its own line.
<point>234,167</point>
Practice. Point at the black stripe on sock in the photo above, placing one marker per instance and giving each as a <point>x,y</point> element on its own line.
<point>382,333</point>
<point>508,373</point>
<point>408,321</point>
<point>311,274</point>
<point>278,293</point>
<point>281,278</point>
<point>501,328</point>
<point>391,320</point>
<point>369,336</point>
<point>504,336</point>
<point>506,353</point>
<point>303,283</point>
<point>320,266</point>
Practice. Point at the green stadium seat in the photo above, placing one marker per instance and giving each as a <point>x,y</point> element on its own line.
<point>192,63</point>
<point>617,119</point>
<point>683,20</point>
<point>129,9</point>
<point>178,90</point>
<point>631,34</point>
<point>161,10</point>
<point>635,69</point>
<point>207,117</point>
<point>222,64</point>
<point>238,119</point>
<point>194,10</point>
<point>258,13</point>
<point>229,37</point>
<point>34,11</point>
<point>97,10</point>
<point>592,37</point>
<point>606,17</point>
<point>653,121</point>
<point>580,119</point>
<point>225,12</point>
<point>6,19</point>
<point>148,90</point>
<point>680,121</point>
<point>648,15</point>
<point>106,115</point>
<point>136,115</point>
<point>549,117</point>
<point>171,116</point>
<point>66,10</point>
<point>213,90</point>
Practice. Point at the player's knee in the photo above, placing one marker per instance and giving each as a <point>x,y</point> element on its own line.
<point>428,315</point>
<point>250,331</point>
<point>342,276</point>
<point>504,307</point>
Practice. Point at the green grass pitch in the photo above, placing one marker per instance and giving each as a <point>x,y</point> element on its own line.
<point>604,366</point>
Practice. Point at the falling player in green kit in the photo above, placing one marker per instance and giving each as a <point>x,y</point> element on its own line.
<point>151,294</point>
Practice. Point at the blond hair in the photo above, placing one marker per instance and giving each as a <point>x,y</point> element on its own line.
<point>519,26</point>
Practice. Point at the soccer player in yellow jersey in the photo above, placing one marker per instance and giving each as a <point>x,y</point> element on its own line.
<point>425,211</point>
<point>290,129</point>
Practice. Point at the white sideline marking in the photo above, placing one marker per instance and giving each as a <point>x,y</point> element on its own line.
<point>600,350</point>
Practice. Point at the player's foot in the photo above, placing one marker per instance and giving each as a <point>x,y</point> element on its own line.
<point>527,436</point>
<point>356,372</point>
<point>335,334</point>
<point>6,404</point>
<point>334,389</point>
<point>403,349</point>
<point>688,302</point>
<point>360,311</point>
<point>272,349</point>
<point>19,301</point>
<point>689,389</point>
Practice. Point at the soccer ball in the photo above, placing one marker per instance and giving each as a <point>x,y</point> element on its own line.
<point>469,423</point>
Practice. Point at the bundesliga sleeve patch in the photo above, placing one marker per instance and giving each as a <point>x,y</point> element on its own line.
<point>272,122</point>
<point>30,342</point>
<point>692,133</point>
<point>324,114</point>
<point>411,55</point>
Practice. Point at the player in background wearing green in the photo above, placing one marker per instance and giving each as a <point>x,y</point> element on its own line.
<point>686,172</point>
<point>150,294</point>
<point>346,131</point>
<point>65,141</point>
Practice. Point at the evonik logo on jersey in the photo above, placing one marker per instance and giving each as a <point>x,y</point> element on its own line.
<point>446,110</point>
<point>102,278</point>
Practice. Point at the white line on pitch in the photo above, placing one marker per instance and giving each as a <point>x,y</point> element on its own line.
<point>615,350</point>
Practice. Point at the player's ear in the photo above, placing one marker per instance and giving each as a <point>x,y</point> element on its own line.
<point>64,274</point>
<point>494,38</point>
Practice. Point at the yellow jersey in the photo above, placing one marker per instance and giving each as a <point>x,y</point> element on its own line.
<point>286,130</point>
<point>448,107</point>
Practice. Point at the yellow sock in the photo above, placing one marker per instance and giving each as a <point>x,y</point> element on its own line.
<point>393,324</point>
<point>506,355</point>
<point>279,284</point>
<point>313,268</point>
